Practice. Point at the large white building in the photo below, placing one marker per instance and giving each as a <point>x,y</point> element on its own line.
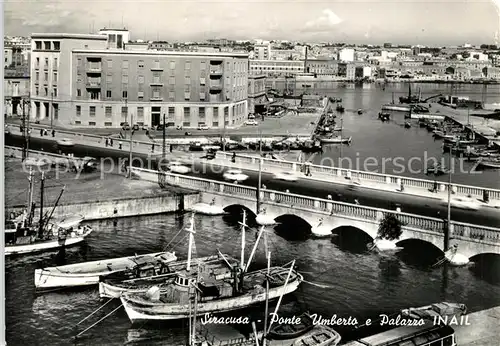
<point>262,51</point>
<point>346,55</point>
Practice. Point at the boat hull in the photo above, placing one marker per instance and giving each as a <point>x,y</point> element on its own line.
<point>160,312</point>
<point>62,277</point>
<point>335,140</point>
<point>45,245</point>
<point>207,209</point>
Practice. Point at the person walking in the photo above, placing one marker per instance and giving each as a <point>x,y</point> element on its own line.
<point>106,142</point>
<point>111,142</point>
<point>53,133</point>
<point>41,132</point>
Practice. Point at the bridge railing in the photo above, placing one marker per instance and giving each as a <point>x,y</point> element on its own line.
<point>364,175</point>
<point>418,222</point>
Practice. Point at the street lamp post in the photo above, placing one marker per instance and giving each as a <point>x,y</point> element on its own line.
<point>130,153</point>
<point>260,171</point>
<point>51,112</point>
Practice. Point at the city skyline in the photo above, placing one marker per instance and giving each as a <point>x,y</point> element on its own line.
<point>437,23</point>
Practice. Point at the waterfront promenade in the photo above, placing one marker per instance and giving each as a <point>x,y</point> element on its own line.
<point>412,186</point>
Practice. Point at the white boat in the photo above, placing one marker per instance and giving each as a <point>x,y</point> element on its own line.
<point>454,258</point>
<point>178,167</point>
<point>235,175</point>
<point>491,163</point>
<point>463,203</point>
<point>55,242</point>
<point>429,312</point>
<point>395,108</point>
<point>286,176</point>
<point>88,273</point>
<point>65,142</point>
<point>319,336</point>
<point>336,140</point>
<point>264,219</point>
<point>385,245</point>
<point>321,231</point>
<point>208,209</point>
<point>233,289</point>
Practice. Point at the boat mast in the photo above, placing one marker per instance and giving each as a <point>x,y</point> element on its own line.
<point>260,172</point>
<point>29,208</point>
<point>55,205</point>
<point>447,230</point>
<point>268,255</point>
<point>191,240</point>
<point>242,261</point>
<point>254,248</point>
<point>195,306</point>
<point>40,224</point>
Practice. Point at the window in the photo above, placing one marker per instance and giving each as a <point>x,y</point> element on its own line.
<point>78,122</point>
<point>54,77</point>
<point>110,64</point>
<point>38,44</point>
<point>215,123</point>
<point>125,64</point>
<point>124,112</point>
<point>202,65</point>
<point>188,65</point>
<point>109,79</point>
<point>172,65</point>
<point>157,64</point>
<point>54,92</point>
<point>186,123</point>
<point>46,91</point>
<point>140,94</point>
<point>46,63</point>
<point>140,112</point>
<point>171,81</point>
<point>171,112</point>
<point>140,64</point>
<point>57,45</point>
<point>226,112</point>
<point>46,76</point>
<point>37,91</point>
<point>55,64</point>
<point>37,64</point>
<point>156,93</point>
<point>56,110</point>
<point>46,45</point>
<point>124,94</point>
<point>202,96</point>
<point>171,95</point>
<point>92,123</point>
<point>108,112</point>
<point>187,80</point>
<point>216,112</point>
<point>78,92</point>
<point>78,78</point>
<point>186,112</point>
<point>108,93</point>
<point>187,95</point>
<point>140,79</point>
<point>92,111</point>
<point>108,123</point>
<point>201,112</point>
<point>202,81</point>
<point>125,79</point>
<point>37,76</point>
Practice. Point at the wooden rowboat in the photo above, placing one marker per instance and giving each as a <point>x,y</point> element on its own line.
<point>319,336</point>
<point>290,331</point>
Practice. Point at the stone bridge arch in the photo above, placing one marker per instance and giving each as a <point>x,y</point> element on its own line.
<point>231,208</point>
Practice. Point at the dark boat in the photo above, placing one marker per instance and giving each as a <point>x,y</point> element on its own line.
<point>195,147</point>
<point>384,116</point>
<point>340,108</point>
<point>407,124</point>
<point>293,330</point>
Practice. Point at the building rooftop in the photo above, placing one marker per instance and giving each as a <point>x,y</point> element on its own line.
<point>71,36</point>
<point>163,52</point>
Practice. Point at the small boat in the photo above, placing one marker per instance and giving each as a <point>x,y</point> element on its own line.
<point>385,245</point>
<point>360,111</point>
<point>396,108</point>
<point>65,142</point>
<point>340,108</point>
<point>319,336</point>
<point>208,209</point>
<point>321,231</point>
<point>287,331</point>
<point>489,163</point>
<point>88,273</point>
<point>265,220</point>
<point>335,140</point>
<point>407,124</point>
<point>443,310</point>
<point>384,116</point>
<point>454,258</point>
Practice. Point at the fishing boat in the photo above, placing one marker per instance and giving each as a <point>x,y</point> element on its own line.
<point>45,235</point>
<point>392,107</point>
<point>292,330</point>
<point>208,209</point>
<point>213,294</point>
<point>335,140</point>
<point>88,273</point>
<point>319,336</point>
<point>429,312</point>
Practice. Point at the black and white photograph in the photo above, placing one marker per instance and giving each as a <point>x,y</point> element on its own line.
<point>251,173</point>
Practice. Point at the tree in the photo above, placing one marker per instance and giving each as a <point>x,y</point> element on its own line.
<point>390,227</point>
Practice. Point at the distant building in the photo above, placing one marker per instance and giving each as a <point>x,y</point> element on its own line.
<point>16,90</point>
<point>160,45</point>
<point>136,45</point>
<point>262,51</point>
<point>327,67</point>
<point>7,54</point>
<point>256,92</point>
<point>387,45</point>
<point>346,55</point>
<point>221,42</point>
<point>276,67</point>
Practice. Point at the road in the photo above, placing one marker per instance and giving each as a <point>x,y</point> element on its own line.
<point>380,199</point>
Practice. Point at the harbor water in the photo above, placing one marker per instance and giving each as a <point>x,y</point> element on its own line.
<point>354,282</point>
<point>389,147</point>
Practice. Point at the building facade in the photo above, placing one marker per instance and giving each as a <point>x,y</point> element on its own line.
<point>256,91</point>
<point>322,66</point>
<point>16,90</point>
<point>189,88</point>
<point>276,67</point>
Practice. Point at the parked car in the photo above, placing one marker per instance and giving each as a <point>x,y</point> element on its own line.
<point>286,176</point>
<point>202,127</point>
<point>251,122</point>
<point>135,127</point>
<point>178,127</point>
<point>178,167</point>
<point>125,126</point>
<point>145,127</point>
<point>235,175</point>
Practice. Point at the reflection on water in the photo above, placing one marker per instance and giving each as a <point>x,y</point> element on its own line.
<point>341,277</point>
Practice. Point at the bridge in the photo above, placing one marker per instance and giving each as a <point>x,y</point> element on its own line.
<point>471,239</point>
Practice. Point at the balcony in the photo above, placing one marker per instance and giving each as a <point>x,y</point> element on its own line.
<point>215,71</point>
<point>215,86</point>
<point>156,98</point>
<point>156,82</point>
<point>93,68</point>
<point>93,85</point>
<point>157,68</point>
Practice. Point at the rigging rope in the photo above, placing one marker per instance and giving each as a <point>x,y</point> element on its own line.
<point>175,236</point>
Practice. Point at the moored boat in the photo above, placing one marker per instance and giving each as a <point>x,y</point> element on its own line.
<point>429,312</point>
<point>335,140</point>
<point>493,163</point>
<point>208,209</point>
<point>88,273</point>
<point>291,330</point>
<point>391,107</point>
<point>319,336</point>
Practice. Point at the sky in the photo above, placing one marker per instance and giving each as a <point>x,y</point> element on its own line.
<point>427,22</point>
